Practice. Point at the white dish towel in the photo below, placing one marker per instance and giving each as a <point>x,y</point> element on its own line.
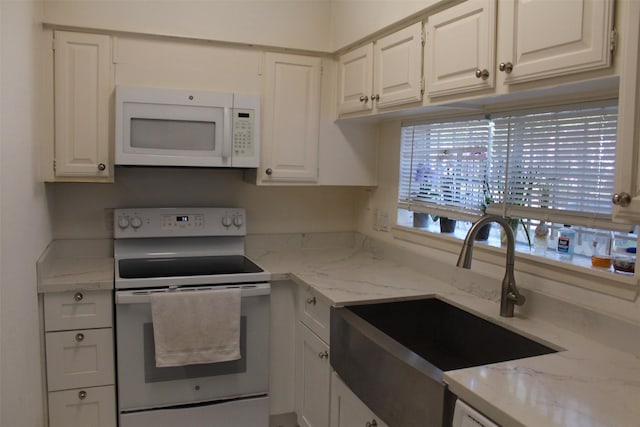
<point>194,327</point>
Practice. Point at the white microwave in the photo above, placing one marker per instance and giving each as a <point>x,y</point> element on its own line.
<point>169,127</point>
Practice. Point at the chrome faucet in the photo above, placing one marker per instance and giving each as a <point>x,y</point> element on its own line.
<point>509,296</point>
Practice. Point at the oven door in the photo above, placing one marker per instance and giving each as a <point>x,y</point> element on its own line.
<point>141,385</point>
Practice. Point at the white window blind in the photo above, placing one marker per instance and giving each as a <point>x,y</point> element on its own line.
<point>443,167</point>
<point>554,166</point>
<point>558,166</point>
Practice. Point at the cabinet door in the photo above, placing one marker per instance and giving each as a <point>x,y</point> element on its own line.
<point>547,39</point>
<point>291,118</point>
<point>627,186</point>
<point>87,407</point>
<point>81,358</point>
<point>355,80</point>
<point>347,410</point>
<point>83,85</point>
<point>398,67</point>
<point>313,378</point>
<point>460,54</point>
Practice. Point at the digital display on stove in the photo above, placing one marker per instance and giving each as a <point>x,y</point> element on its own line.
<point>182,218</point>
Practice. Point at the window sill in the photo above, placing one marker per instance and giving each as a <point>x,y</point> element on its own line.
<point>577,273</point>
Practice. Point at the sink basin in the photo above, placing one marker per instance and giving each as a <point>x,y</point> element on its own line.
<point>392,355</point>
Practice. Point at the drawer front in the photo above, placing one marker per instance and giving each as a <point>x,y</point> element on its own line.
<point>314,313</point>
<point>77,310</point>
<point>81,358</point>
<point>86,407</point>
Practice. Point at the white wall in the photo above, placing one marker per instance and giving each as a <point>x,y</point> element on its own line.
<point>24,225</point>
<point>80,210</point>
<point>299,24</point>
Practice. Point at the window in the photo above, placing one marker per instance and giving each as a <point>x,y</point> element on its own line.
<point>554,166</point>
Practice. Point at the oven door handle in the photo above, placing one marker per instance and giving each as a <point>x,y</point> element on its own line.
<point>144,296</point>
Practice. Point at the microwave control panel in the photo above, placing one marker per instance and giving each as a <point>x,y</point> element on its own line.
<point>243,132</point>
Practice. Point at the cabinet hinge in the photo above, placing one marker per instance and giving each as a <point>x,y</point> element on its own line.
<point>54,165</point>
<point>422,86</point>
<point>53,44</point>
<point>613,41</point>
<point>423,37</point>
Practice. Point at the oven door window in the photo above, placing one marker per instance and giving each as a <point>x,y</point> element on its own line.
<point>155,374</point>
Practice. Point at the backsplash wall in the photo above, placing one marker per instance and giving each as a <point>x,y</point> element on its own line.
<point>83,211</point>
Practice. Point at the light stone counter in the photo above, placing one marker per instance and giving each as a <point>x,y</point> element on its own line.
<point>584,385</point>
<point>70,265</point>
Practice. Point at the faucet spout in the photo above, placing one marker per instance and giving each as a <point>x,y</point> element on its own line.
<point>510,296</point>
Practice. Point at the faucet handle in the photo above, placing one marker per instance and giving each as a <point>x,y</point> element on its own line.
<point>516,297</point>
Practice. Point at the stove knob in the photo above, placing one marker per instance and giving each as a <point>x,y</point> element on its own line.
<point>136,222</point>
<point>123,222</point>
<point>226,221</point>
<point>238,221</point>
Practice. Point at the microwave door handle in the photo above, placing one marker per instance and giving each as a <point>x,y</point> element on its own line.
<point>227,135</point>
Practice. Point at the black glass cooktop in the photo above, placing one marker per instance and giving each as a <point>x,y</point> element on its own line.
<point>142,268</point>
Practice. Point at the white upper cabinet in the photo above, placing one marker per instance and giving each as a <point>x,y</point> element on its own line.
<point>398,68</point>
<point>385,73</point>
<point>460,49</point>
<point>538,39</point>
<point>291,115</point>
<point>83,84</point>
<point>626,198</point>
<point>356,80</point>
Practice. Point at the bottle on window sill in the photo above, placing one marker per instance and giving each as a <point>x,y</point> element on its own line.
<point>566,243</point>
<point>541,235</point>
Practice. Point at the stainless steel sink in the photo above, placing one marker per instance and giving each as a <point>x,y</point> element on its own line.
<point>392,355</point>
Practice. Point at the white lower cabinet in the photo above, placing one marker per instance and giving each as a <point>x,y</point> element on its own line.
<point>313,380</point>
<point>347,410</point>
<point>313,370</point>
<point>86,407</point>
<point>78,337</point>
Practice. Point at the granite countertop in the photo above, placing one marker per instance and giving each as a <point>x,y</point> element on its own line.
<point>72,265</point>
<point>585,384</point>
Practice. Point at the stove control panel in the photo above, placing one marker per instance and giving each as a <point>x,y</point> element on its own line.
<point>178,222</point>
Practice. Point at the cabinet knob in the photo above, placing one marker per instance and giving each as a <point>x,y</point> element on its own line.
<point>323,354</point>
<point>482,74</point>
<point>78,296</point>
<point>101,166</point>
<point>269,171</point>
<point>79,337</point>
<point>507,67</point>
<point>82,395</point>
<point>375,97</point>
<point>364,98</point>
<point>311,300</point>
<point>621,199</point>
<point>372,423</point>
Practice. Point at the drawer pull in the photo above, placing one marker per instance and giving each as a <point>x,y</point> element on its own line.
<point>78,296</point>
<point>82,395</point>
<point>323,354</point>
<point>80,337</point>
<point>311,300</point>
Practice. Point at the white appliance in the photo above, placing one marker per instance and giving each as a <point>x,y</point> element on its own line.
<point>170,127</point>
<point>465,416</point>
<point>188,250</point>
